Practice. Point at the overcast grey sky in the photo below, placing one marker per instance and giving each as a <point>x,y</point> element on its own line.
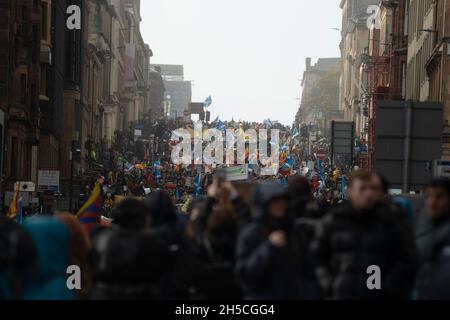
<point>247,54</point>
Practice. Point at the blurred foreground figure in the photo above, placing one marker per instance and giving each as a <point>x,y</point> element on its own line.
<point>273,260</point>
<point>47,281</point>
<point>178,278</point>
<point>215,229</point>
<point>79,249</point>
<point>303,207</point>
<point>17,257</point>
<point>434,243</point>
<point>361,234</point>
<point>128,258</point>
<point>400,206</point>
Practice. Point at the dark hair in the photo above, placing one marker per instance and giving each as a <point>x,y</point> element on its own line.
<point>358,175</point>
<point>161,208</point>
<point>220,221</point>
<point>383,180</point>
<point>442,183</point>
<point>299,187</point>
<point>130,214</point>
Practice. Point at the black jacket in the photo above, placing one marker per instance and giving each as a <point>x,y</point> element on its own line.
<point>127,264</point>
<point>215,247</point>
<point>176,283</point>
<point>350,241</point>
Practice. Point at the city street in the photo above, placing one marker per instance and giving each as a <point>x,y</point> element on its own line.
<point>195,151</point>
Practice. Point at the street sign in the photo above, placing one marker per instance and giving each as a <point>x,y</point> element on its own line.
<point>237,173</point>
<point>48,180</point>
<point>25,186</point>
<point>137,133</point>
<point>342,137</point>
<point>408,138</point>
<point>196,108</point>
<point>321,155</point>
<point>441,169</point>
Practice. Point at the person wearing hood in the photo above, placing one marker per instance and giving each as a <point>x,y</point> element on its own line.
<point>433,239</point>
<point>48,280</point>
<point>129,258</point>
<point>271,257</point>
<point>163,216</point>
<point>303,207</point>
<point>178,280</point>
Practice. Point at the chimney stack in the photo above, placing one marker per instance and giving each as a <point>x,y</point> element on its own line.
<point>308,63</point>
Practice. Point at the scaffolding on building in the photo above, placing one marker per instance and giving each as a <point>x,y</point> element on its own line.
<point>382,63</point>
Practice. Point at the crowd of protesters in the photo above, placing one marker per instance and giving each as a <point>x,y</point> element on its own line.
<point>275,242</point>
<point>163,231</point>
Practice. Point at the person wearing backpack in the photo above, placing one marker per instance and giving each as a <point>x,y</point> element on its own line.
<point>216,229</point>
<point>178,279</point>
<point>129,258</point>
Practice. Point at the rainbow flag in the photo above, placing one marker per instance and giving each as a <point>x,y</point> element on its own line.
<point>14,206</point>
<point>90,213</point>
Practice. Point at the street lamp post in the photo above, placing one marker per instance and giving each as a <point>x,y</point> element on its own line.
<point>72,151</point>
<point>75,154</point>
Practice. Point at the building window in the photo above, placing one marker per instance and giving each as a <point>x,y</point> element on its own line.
<point>403,80</point>
<point>23,89</point>
<point>405,17</point>
<point>24,13</point>
<point>43,82</point>
<point>33,95</point>
<point>35,52</point>
<point>3,77</point>
<point>72,57</point>
<point>14,158</point>
<point>44,21</point>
